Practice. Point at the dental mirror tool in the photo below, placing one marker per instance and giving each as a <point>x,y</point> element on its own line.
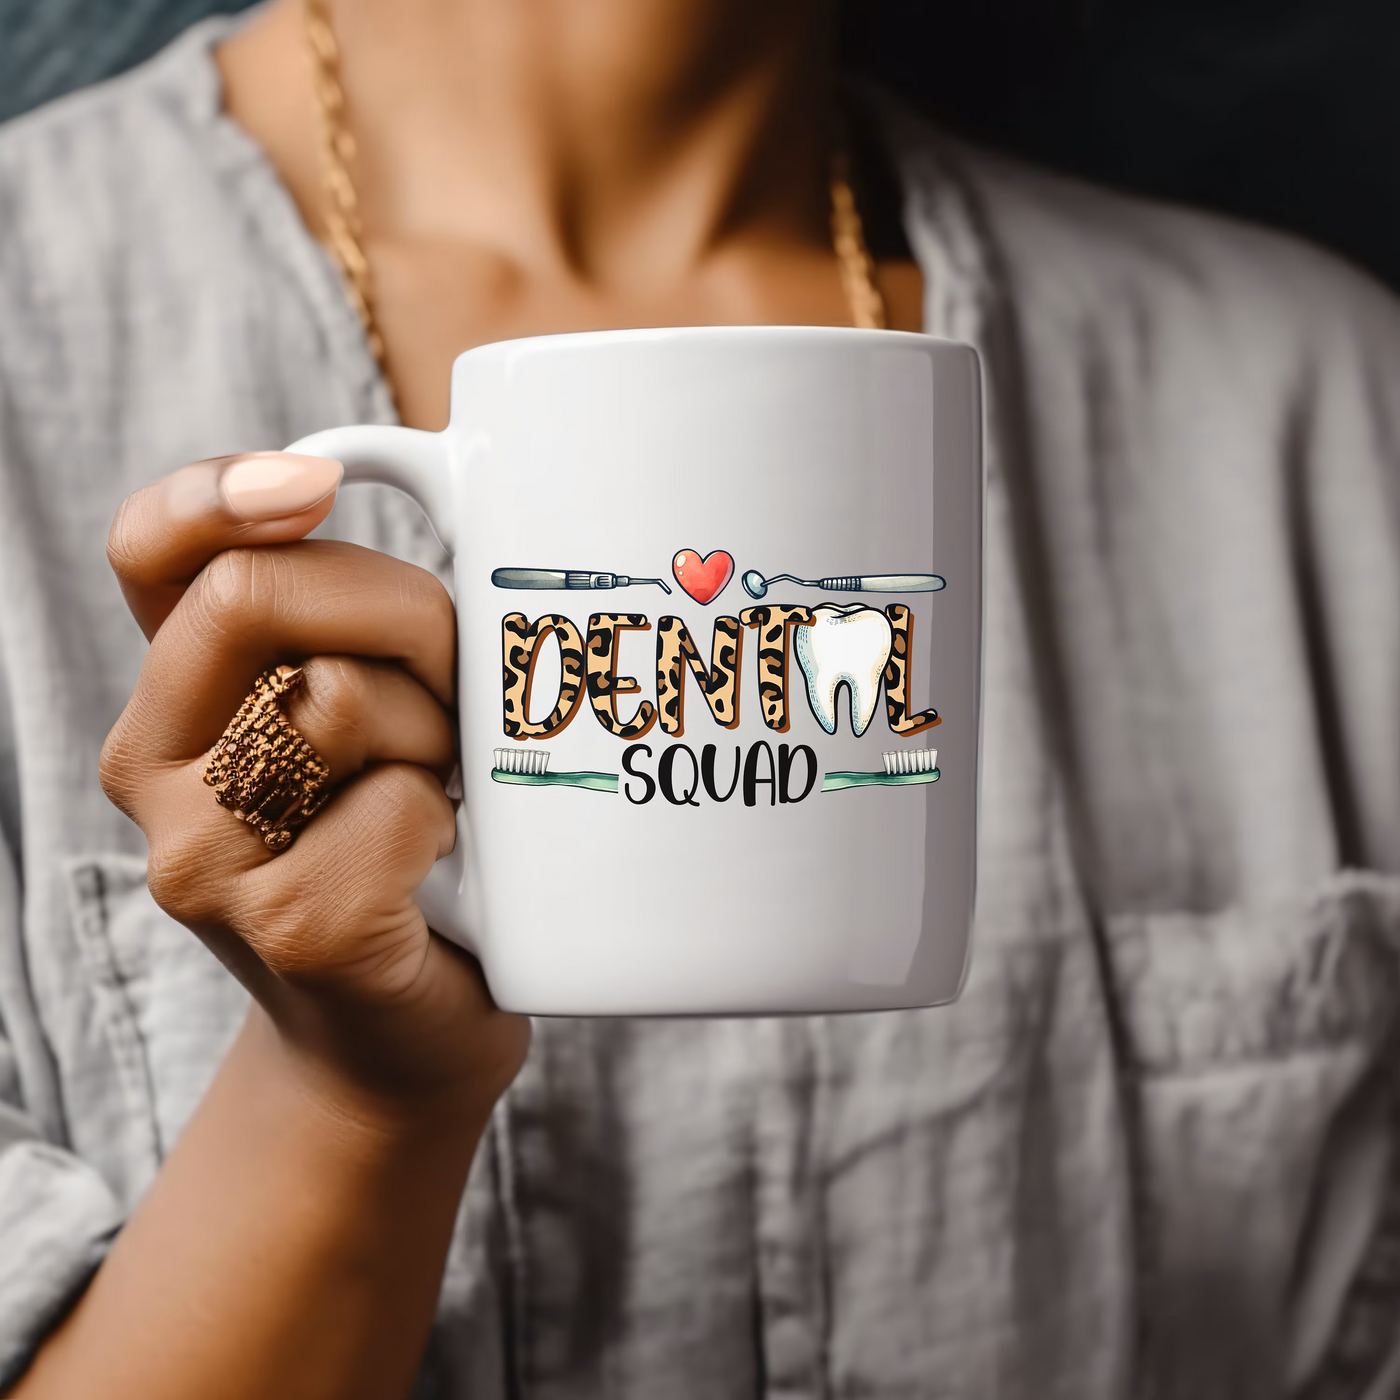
<point>756,586</point>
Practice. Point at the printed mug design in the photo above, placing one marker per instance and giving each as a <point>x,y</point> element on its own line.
<point>704,577</point>
<point>570,579</point>
<point>531,767</point>
<point>817,651</point>
<point>756,586</point>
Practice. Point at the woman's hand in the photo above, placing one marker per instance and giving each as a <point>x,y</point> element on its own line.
<point>293,1241</point>
<point>326,935</point>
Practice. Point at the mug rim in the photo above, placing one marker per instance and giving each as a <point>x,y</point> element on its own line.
<point>692,335</point>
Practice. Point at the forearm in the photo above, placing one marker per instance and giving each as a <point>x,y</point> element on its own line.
<point>292,1244</point>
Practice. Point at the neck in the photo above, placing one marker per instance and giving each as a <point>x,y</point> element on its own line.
<point>615,140</point>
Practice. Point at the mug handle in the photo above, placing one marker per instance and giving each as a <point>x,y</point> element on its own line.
<point>416,463</point>
<point>413,461</point>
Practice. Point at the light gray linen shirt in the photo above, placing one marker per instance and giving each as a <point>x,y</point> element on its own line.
<point>1152,1149</point>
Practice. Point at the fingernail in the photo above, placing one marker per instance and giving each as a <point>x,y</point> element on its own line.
<point>267,485</point>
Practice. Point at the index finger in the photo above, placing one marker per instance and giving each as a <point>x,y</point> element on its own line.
<point>165,534</point>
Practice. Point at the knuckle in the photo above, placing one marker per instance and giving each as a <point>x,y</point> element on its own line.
<point>402,813</point>
<point>381,830</point>
<point>115,769</point>
<point>414,801</point>
<point>290,940</point>
<point>122,765</point>
<point>355,912</point>
<point>143,532</point>
<point>225,587</point>
<point>332,698</point>
<point>422,595</point>
<point>124,554</point>
<point>177,876</point>
<point>420,795</point>
<point>238,589</point>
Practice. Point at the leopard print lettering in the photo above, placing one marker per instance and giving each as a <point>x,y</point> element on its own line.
<point>719,685</point>
<point>604,684</point>
<point>897,678</point>
<point>773,624</point>
<point>520,644</point>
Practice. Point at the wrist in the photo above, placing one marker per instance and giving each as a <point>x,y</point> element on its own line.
<point>365,1111</point>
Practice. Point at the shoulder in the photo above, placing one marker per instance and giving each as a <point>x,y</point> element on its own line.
<point>1186,289</point>
<point>149,258</point>
<point>1190,331</point>
<point>1199,425</point>
<point>115,174</point>
<point>1080,250</point>
<point>101,138</point>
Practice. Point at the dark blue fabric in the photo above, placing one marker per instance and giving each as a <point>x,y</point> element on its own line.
<point>1282,111</point>
<point>49,47</point>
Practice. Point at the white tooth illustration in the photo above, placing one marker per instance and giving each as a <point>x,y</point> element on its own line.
<point>850,644</point>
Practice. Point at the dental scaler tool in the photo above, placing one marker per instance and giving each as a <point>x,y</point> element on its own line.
<point>566,578</point>
<point>756,586</point>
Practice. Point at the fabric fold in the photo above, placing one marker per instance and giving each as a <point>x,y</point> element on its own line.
<point>57,1218</point>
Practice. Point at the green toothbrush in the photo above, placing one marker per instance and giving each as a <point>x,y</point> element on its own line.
<point>530,768</point>
<point>901,768</point>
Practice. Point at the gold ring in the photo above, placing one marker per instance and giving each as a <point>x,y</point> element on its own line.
<point>262,770</point>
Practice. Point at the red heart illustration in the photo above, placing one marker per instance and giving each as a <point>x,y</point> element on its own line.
<point>704,578</point>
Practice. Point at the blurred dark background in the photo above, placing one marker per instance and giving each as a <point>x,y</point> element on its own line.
<point>1283,111</point>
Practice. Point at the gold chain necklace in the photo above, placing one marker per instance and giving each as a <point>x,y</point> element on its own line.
<point>345,229</point>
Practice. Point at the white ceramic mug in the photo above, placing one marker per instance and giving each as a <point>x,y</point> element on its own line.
<point>719,597</point>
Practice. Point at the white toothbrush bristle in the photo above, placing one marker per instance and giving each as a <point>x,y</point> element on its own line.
<point>911,760</point>
<point>521,760</point>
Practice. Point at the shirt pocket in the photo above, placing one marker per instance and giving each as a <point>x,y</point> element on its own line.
<point>164,1011</point>
<point>1260,1045</point>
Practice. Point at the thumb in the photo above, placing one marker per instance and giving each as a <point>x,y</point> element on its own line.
<point>165,534</point>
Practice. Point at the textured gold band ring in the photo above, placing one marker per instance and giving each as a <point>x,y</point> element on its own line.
<point>262,770</point>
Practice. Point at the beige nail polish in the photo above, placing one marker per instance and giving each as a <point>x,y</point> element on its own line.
<point>268,485</point>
